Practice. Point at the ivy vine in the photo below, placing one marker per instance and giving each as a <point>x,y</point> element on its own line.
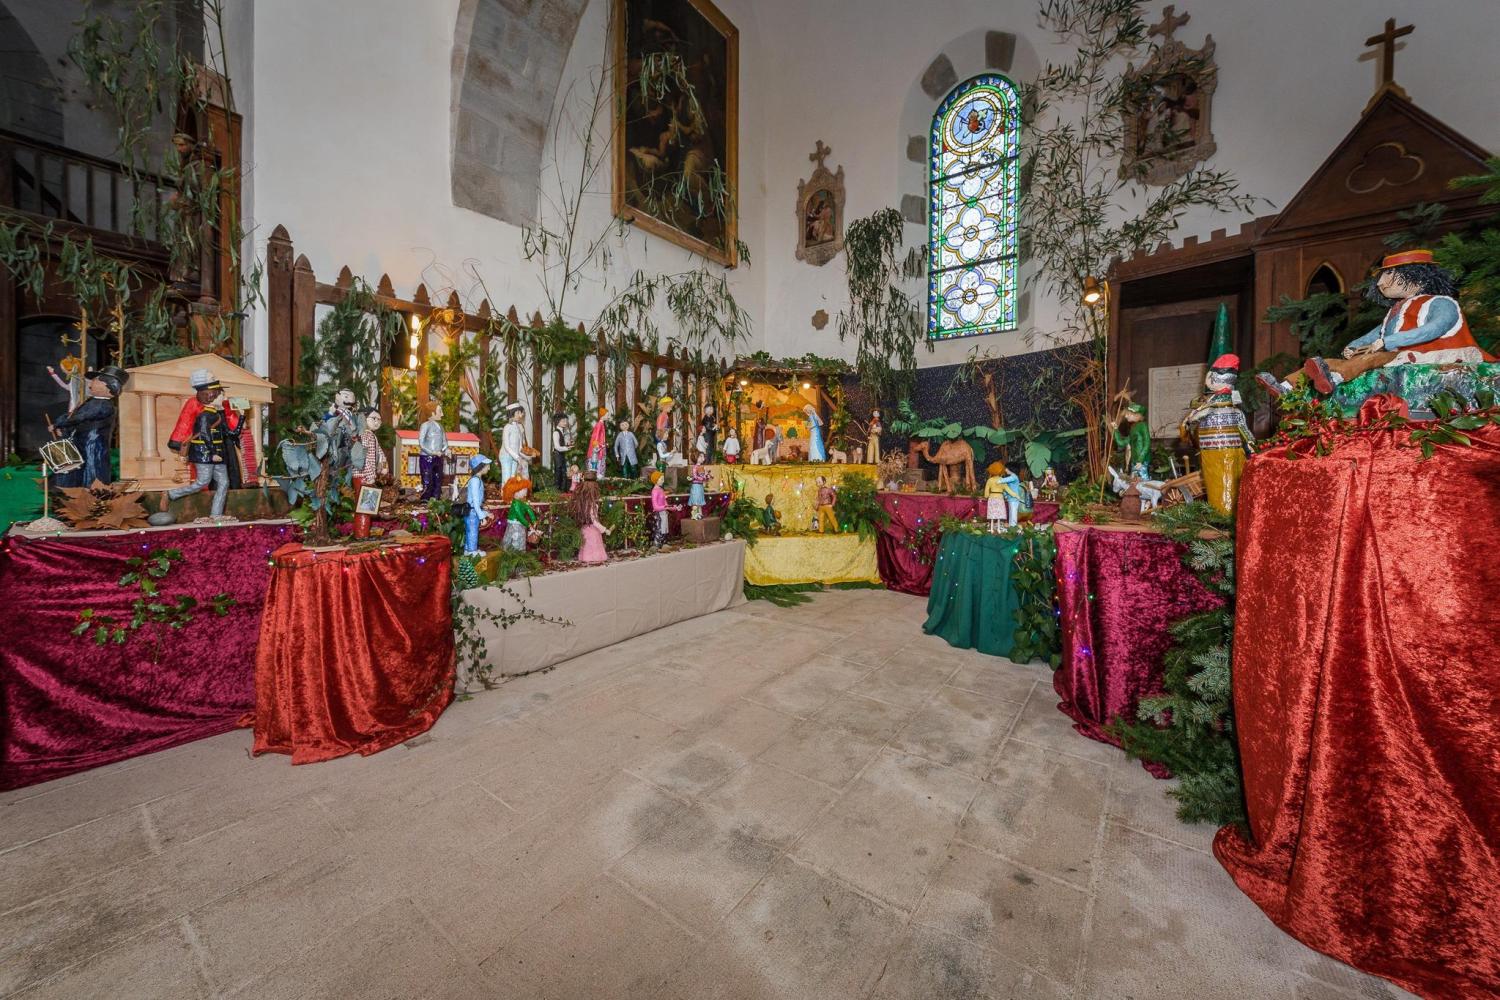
<point>146,573</point>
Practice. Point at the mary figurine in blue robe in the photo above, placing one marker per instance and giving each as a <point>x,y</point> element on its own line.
<point>815,450</point>
<point>91,427</point>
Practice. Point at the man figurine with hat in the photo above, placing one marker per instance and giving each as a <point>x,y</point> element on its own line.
<point>1423,325</point>
<point>1135,440</point>
<point>90,426</point>
<point>1224,438</point>
<point>208,435</point>
<point>513,459</point>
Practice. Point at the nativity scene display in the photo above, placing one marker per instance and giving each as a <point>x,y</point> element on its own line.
<point>677,123</point>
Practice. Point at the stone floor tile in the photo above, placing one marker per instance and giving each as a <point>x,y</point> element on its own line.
<point>1162,912</point>
<point>822,754</point>
<point>697,866</point>
<point>959,728</point>
<point>1139,800</point>
<point>876,721</point>
<point>159,964</point>
<point>603,942</point>
<point>906,684</point>
<point>931,965</point>
<point>1042,809</point>
<point>808,686</point>
<point>1042,724</point>
<point>994,904</point>
<point>797,934</point>
<point>52,864</point>
<point>995,677</point>
<point>768,803</point>
<point>889,832</point>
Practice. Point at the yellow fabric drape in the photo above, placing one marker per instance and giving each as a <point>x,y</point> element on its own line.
<point>795,487</point>
<point>811,559</point>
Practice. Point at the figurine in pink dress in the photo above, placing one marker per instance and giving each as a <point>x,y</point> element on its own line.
<point>586,513</point>
<point>594,459</point>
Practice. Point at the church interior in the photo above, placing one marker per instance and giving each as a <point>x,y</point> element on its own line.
<point>749,499</point>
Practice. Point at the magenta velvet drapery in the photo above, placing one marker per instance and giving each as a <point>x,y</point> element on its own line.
<point>908,568</point>
<point>1118,589</point>
<point>69,704</point>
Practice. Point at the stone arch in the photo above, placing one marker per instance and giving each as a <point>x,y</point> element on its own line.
<point>508,59</point>
<point>969,55</point>
<point>30,100</point>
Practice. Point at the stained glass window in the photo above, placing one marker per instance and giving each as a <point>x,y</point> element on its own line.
<point>972,212</point>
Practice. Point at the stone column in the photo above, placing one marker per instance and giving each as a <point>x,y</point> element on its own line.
<point>148,426</point>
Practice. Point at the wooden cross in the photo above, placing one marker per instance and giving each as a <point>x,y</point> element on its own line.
<point>1387,39</point>
<point>820,154</point>
<point>1169,24</point>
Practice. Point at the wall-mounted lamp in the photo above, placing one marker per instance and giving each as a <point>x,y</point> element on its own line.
<point>1093,291</point>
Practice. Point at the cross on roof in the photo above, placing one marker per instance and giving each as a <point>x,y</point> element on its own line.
<point>1169,24</point>
<point>820,154</point>
<point>1387,39</point>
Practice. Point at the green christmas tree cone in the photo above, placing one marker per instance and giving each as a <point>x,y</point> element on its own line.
<point>1223,339</point>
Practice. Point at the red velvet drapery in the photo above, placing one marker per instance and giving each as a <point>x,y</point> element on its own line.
<point>1367,699</point>
<point>356,650</point>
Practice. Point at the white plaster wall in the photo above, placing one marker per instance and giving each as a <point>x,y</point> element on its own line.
<point>1291,85</point>
<point>350,141</point>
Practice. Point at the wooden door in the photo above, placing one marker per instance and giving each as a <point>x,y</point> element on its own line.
<point>1167,338</point>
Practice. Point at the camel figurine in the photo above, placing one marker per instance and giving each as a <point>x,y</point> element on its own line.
<point>951,455</point>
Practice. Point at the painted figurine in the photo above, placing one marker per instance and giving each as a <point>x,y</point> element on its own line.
<point>659,522</point>
<point>208,433</point>
<point>342,426</point>
<point>562,443</point>
<point>1423,324</point>
<point>825,500</point>
<point>710,431</point>
<point>586,513</point>
<point>1049,488</point>
<point>697,498</point>
<point>594,459</point>
<point>475,517</point>
<point>1224,438</point>
<point>76,383</point>
<point>575,476</point>
<point>816,452</point>
<point>872,439</point>
<point>513,461</point>
<point>770,521</point>
<point>1134,441</point>
<point>372,457</point>
<point>664,428</point>
<point>90,425</point>
<point>625,451</point>
<point>1002,496</point>
<point>432,453</point>
<point>520,516</point>
<point>731,448</point>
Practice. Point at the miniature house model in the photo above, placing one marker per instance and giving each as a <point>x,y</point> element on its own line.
<point>149,406</point>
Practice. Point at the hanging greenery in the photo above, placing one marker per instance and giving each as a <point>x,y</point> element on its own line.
<point>857,508</point>
<point>884,320</point>
<point>1037,636</point>
<point>148,572</point>
<point>1190,727</point>
<point>348,350</point>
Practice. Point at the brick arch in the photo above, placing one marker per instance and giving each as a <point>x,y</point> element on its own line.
<point>508,59</point>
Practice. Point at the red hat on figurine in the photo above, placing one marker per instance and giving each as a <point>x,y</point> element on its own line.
<point>1405,257</point>
<point>1226,362</point>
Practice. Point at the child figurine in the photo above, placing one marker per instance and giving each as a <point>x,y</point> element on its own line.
<point>1050,486</point>
<point>700,446</point>
<point>698,476</point>
<point>731,448</point>
<point>474,519</point>
<point>658,510</point>
<point>872,439</point>
<point>562,443</point>
<point>625,451</point>
<point>770,522</point>
<point>375,464</point>
<point>574,478</point>
<point>710,433</point>
<point>598,444</point>
<point>75,384</point>
<point>521,515</point>
<point>1002,495</point>
<point>586,513</point>
<point>432,443</point>
<point>825,515</point>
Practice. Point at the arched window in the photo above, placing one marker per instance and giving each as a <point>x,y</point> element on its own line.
<point>972,210</point>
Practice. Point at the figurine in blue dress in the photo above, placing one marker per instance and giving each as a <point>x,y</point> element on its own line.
<point>815,450</point>
<point>478,466</point>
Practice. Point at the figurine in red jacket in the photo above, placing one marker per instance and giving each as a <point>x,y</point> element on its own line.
<point>208,435</point>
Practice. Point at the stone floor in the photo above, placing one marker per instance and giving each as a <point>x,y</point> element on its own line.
<point>813,802</point>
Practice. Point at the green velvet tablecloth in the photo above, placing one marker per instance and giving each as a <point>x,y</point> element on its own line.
<point>973,602</point>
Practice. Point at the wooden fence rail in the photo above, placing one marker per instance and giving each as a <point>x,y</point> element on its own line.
<point>294,294</point>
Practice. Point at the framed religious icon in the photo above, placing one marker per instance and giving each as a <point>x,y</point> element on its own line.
<point>820,211</point>
<point>676,142</point>
<point>1168,107</point>
<point>369,500</point>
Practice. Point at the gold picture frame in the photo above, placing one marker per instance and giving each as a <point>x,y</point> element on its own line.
<point>656,144</point>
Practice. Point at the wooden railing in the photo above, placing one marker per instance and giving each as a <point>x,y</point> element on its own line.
<point>293,294</point>
<point>51,182</point>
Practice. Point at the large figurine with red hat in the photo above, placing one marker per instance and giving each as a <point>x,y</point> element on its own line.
<point>1423,325</point>
<point>1223,436</point>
